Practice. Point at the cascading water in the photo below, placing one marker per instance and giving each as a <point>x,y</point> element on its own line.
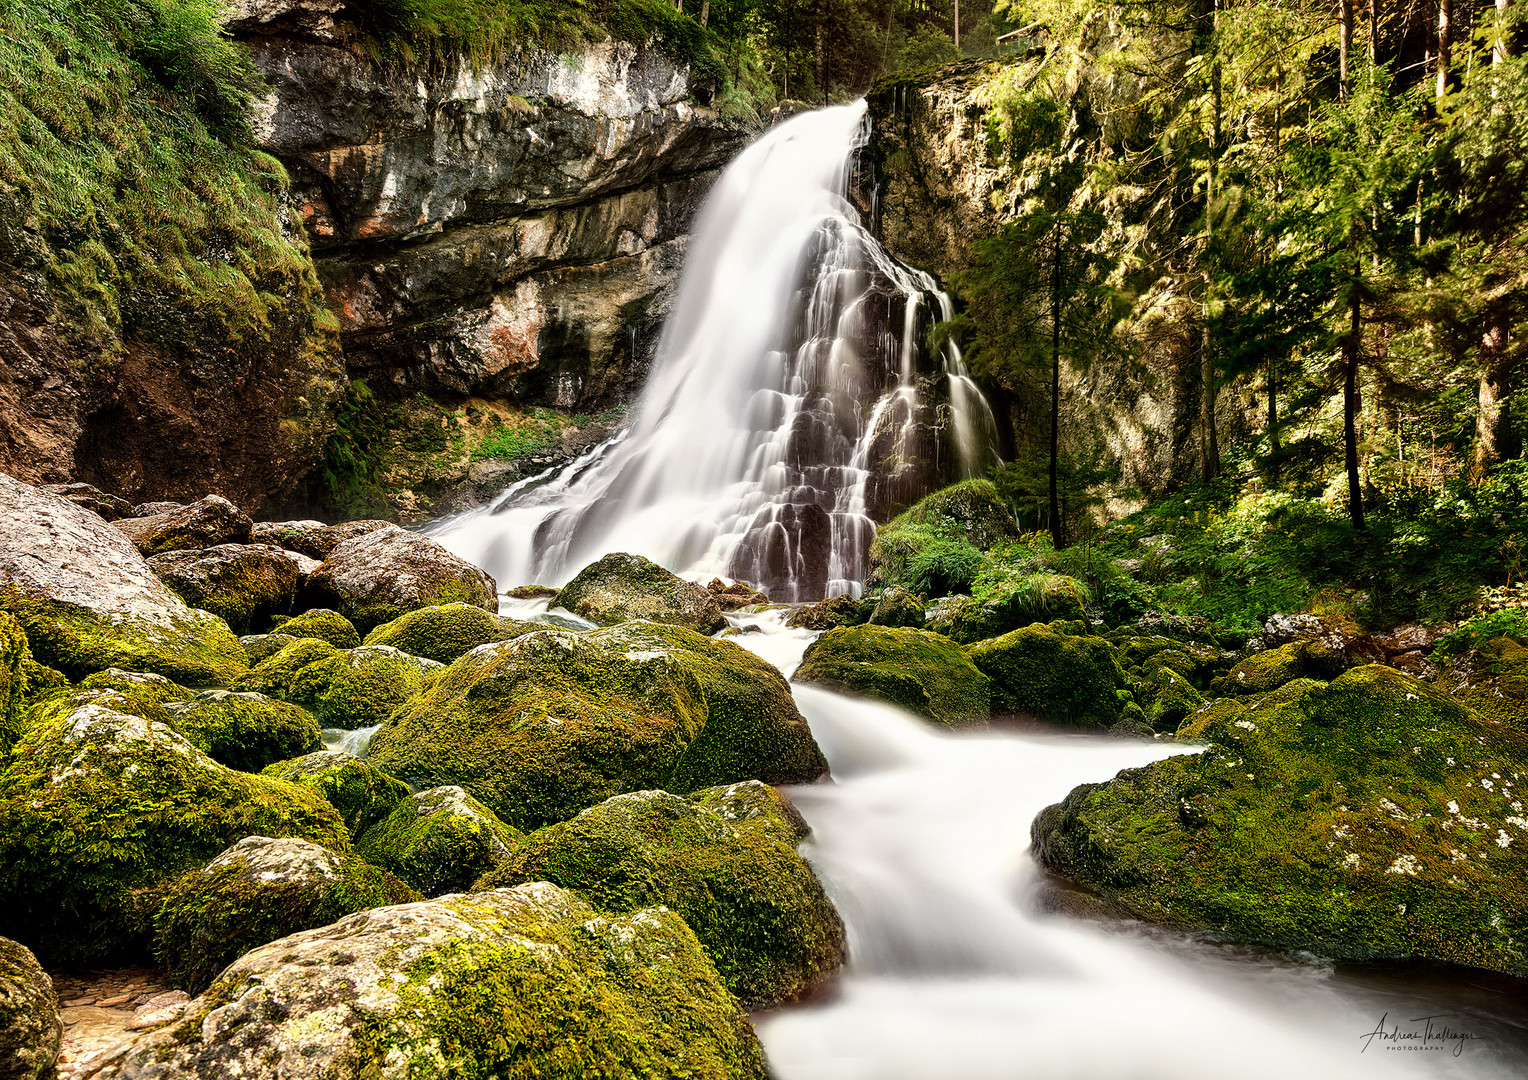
<point>786,406</point>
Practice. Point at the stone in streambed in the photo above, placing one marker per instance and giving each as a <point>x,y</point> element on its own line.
<point>1063,678</point>
<point>343,688</point>
<point>205,523</point>
<point>622,587</point>
<point>245,585</point>
<point>30,1029</point>
<point>360,791</point>
<point>447,632</point>
<point>323,624</point>
<point>245,731</point>
<point>374,578</point>
<point>919,670</point>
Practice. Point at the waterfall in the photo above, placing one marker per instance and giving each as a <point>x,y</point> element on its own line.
<point>788,407</point>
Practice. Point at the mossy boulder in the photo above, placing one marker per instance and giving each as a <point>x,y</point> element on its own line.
<point>516,984</point>
<point>1166,697</point>
<point>1493,680</point>
<point>323,624</point>
<point>919,670</point>
<point>753,730</point>
<point>448,631</point>
<point>439,841</point>
<point>259,647</point>
<point>14,682</point>
<point>361,792</point>
<point>1062,678</point>
<point>30,1028</point>
<point>143,685</point>
<point>897,607</point>
<point>621,587</point>
<point>1265,671</point>
<point>245,730</point>
<point>343,688</point>
<point>834,611</point>
<point>935,545</point>
<point>1370,818</point>
<point>755,904</point>
<point>1017,602</point>
<point>205,523</point>
<point>379,575</point>
<point>543,725</point>
<point>245,585</point>
<point>97,806</point>
<point>88,601</point>
<point>275,673</point>
<point>313,538</point>
<point>259,890</point>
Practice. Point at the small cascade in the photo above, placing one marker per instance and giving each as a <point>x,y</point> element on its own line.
<point>791,403</point>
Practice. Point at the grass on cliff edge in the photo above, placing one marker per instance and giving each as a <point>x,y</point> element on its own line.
<point>126,174</point>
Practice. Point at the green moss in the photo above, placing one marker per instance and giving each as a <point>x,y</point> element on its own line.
<point>97,806</point>
<point>755,905</point>
<point>753,730</point>
<point>1059,677</point>
<point>1373,817</point>
<point>245,731</point>
<point>1494,682</point>
<point>546,724</point>
<point>186,645</point>
<point>275,674</point>
<point>1167,698</point>
<point>261,647</point>
<point>144,685</point>
<point>620,587</point>
<point>936,546</point>
<point>439,841</point>
<point>14,683</point>
<point>257,891</point>
<point>897,607</point>
<point>834,611</point>
<point>360,791</point>
<point>1265,671</point>
<point>30,1027</point>
<point>343,688</point>
<point>448,631</point>
<point>323,624</point>
<point>919,670</point>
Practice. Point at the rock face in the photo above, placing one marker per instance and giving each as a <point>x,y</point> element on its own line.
<point>755,904</point>
<point>1373,817</point>
<point>88,601</point>
<point>514,983</point>
<point>258,890</point>
<point>439,841</point>
<point>30,1028</point>
<point>919,670</point>
<point>97,804</point>
<point>620,587</point>
<point>376,577</point>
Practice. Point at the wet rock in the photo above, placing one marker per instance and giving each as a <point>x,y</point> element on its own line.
<point>1064,678</point>
<point>898,607</point>
<point>205,523</point>
<point>360,791</point>
<point>757,908</point>
<point>323,624</point>
<point>1371,818</point>
<point>919,670</point>
<point>448,631</point>
<point>739,594</point>
<point>92,498</point>
<point>243,584</point>
<point>834,611</point>
<point>30,1029</point>
<point>97,805</point>
<point>88,600</point>
<point>245,731</point>
<point>442,987</point>
<point>259,890</point>
<point>313,538</point>
<point>163,506</point>
<point>376,577</point>
<point>343,688</point>
<point>620,587</point>
<point>439,841</point>
<point>531,592</point>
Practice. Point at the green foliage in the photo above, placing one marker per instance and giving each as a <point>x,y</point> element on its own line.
<point>1476,631</point>
<point>927,46</point>
<point>348,475</point>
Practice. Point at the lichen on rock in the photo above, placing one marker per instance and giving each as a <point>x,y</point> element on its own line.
<point>323,624</point>
<point>245,585</point>
<point>343,688</point>
<point>379,575</point>
<point>30,1028</point>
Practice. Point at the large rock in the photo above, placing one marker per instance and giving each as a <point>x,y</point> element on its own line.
<point>259,890</point>
<point>245,731</point>
<point>1064,678</point>
<point>88,600</point>
<point>919,670</point>
<point>243,584</point>
<point>834,611</point>
<point>97,805</point>
<point>447,632</point>
<point>343,688</point>
<point>1372,818</point>
<point>30,1028</point>
<point>323,624</point>
<point>439,841</point>
<point>205,523</point>
<point>519,983</point>
<point>92,498</point>
<point>359,790</point>
<point>735,877</point>
<point>376,577</point>
<point>620,587</point>
<point>312,538</point>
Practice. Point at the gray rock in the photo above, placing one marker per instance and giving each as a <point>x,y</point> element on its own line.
<point>30,1028</point>
<point>312,538</point>
<point>376,577</point>
<point>93,498</point>
<point>622,587</point>
<point>244,584</point>
<point>204,523</point>
<point>89,601</point>
<point>150,509</point>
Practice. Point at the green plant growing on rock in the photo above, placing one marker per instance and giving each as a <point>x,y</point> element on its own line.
<point>447,632</point>
<point>245,731</point>
<point>919,670</point>
<point>439,841</point>
<point>1057,676</point>
<point>360,791</point>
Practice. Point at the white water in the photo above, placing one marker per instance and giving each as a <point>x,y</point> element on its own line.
<point>956,972</point>
<point>786,386</point>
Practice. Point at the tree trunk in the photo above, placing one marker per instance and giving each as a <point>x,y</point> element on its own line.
<point>1057,535</point>
<point>1495,385</point>
<point>1345,45</point>
<point>1373,32</point>
<point>1273,418</point>
<point>1350,348</point>
<point>1209,442</point>
<point>1445,43</point>
<point>705,12</point>
<point>1499,50</point>
<point>957,25</point>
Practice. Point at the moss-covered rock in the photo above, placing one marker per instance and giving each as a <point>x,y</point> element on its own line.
<point>144,685</point>
<point>439,841</point>
<point>245,730</point>
<point>834,611</point>
<point>361,792</point>
<point>919,670</point>
<point>935,545</point>
<point>754,903</point>
<point>1493,680</point>
<point>321,623</point>
<point>1059,677</point>
<point>205,523</point>
<point>1015,603</point>
<point>621,587</point>
<point>1265,671</point>
<point>274,674</point>
<point>375,577</point>
<point>897,607</point>
<point>245,585</point>
<point>1166,697</point>
<point>343,688</point>
<point>448,631</point>
<point>1373,817</point>
<point>97,805</point>
<point>259,890</point>
<point>14,684</point>
<point>260,647</point>
<point>30,1028</point>
<point>516,984</point>
<point>738,595</point>
<point>753,730</point>
<point>543,725</point>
